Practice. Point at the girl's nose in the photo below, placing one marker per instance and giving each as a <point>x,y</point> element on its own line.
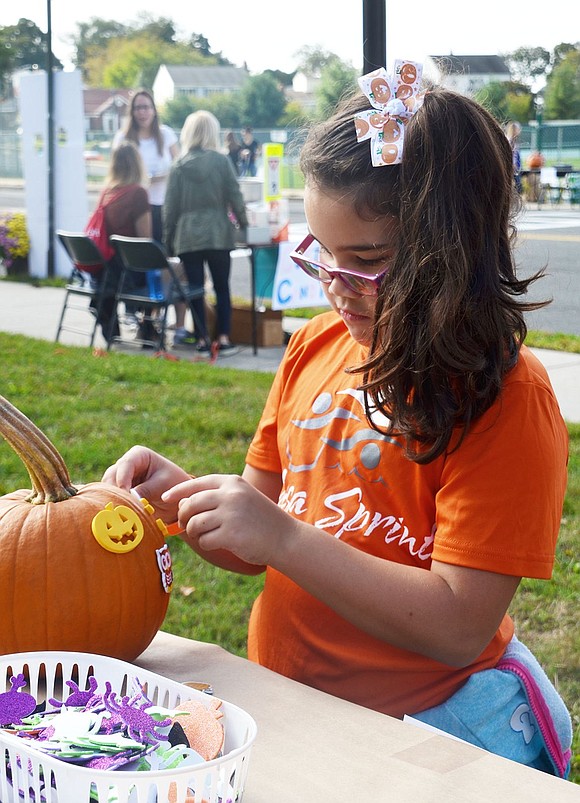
<point>339,288</point>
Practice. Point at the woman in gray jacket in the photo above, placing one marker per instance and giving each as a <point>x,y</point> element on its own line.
<point>202,193</point>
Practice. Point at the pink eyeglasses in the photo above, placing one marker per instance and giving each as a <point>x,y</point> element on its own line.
<point>365,284</point>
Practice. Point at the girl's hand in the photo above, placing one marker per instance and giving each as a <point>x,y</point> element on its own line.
<point>225,512</point>
<point>150,474</point>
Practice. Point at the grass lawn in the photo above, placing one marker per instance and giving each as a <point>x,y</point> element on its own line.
<point>94,408</point>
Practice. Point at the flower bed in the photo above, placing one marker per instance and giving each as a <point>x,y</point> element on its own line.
<point>14,242</point>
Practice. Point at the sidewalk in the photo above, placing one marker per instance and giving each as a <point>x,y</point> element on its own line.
<point>34,312</point>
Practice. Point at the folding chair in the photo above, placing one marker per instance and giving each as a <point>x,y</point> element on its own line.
<point>573,187</point>
<point>148,257</point>
<point>550,186</point>
<point>88,262</point>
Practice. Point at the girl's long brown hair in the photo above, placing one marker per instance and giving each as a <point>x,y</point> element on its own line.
<point>132,129</point>
<point>449,320</point>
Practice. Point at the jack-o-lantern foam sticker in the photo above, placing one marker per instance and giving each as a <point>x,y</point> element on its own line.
<point>394,99</point>
<point>117,528</point>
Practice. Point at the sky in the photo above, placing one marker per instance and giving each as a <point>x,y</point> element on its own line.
<point>267,35</point>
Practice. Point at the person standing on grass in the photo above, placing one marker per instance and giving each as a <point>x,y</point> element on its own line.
<point>202,193</point>
<point>409,467</point>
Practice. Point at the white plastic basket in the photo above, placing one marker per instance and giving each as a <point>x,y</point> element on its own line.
<point>37,777</point>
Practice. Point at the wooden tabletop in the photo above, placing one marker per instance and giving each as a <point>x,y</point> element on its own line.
<point>315,748</point>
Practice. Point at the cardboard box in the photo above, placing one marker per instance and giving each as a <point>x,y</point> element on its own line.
<point>268,327</point>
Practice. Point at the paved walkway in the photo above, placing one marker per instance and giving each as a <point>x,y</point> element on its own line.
<point>35,311</point>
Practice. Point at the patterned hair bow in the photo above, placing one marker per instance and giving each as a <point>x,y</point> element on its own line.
<point>395,100</point>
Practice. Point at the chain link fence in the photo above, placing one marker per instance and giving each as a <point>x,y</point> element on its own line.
<point>559,143</point>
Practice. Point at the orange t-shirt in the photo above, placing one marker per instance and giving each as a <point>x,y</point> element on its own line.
<point>494,504</point>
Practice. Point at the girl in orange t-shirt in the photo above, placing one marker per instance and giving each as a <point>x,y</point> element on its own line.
<point>410,464</point>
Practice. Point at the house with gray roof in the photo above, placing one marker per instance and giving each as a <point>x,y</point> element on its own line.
<point>466,74</point>
<point>200,82</point>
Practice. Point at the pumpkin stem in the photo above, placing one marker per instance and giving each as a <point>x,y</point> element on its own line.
<point>46,468</point>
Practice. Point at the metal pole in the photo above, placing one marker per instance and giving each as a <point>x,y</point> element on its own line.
<point>539,120</point>
<point>50,141</point>
<point>374,35</point>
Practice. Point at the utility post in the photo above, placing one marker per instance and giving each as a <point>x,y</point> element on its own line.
<point>374,35</point>
<point>50,141</point>
<point>539,120</point>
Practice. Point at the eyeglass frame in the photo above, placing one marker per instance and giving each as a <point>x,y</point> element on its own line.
<point>297,256</point>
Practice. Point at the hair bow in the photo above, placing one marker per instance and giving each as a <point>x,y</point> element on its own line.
<point>395,100</point>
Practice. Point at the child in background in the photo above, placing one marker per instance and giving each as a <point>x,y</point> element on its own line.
<point>128,213</point>
<point>410,464</point>
<point>512,131</point>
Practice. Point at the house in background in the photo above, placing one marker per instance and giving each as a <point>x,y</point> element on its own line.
<point>199,82</point>
<point>303,90</point>
<point>105,109</point>
<point>306,84</point>
<point>466,74</point>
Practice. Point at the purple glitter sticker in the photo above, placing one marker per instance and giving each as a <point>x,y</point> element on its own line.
<point>15,705</point>
<point>140,725</point>
<point>78,698</point>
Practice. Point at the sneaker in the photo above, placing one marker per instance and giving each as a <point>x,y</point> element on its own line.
<point>184,338</point>
<point>227,348</point>
<point>202,347</point>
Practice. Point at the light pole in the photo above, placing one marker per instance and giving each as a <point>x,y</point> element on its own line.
<point>374,35</point>
<point>50,141</point>
<point>539,101</point>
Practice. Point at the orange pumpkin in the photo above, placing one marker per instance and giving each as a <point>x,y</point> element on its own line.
<point>81,569</point>
<point>536,160</point>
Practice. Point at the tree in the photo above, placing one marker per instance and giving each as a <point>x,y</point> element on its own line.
<point>313,59</point>
<point>560,52</point>
<point>199,43</point>
<point>336,80</point>
<point>101,46</point>
<point>23,46</point>
<point>527,64</point>
<point>262,101</point>
<point>93,38</point>
<point>226,108</point>
<point>162,28</point>
<point>562,93</point>
<point>134,61</point>
<point>282,78</point>
<point>295,115</point>
<point>520,106</point>
<point>507,100</point>
<point>174,112</point>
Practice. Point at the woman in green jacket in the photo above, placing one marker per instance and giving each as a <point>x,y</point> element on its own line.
<point>202,194</point>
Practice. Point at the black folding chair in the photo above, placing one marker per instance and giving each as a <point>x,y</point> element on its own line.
<point>88,263</point>
<point>147,257</point>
